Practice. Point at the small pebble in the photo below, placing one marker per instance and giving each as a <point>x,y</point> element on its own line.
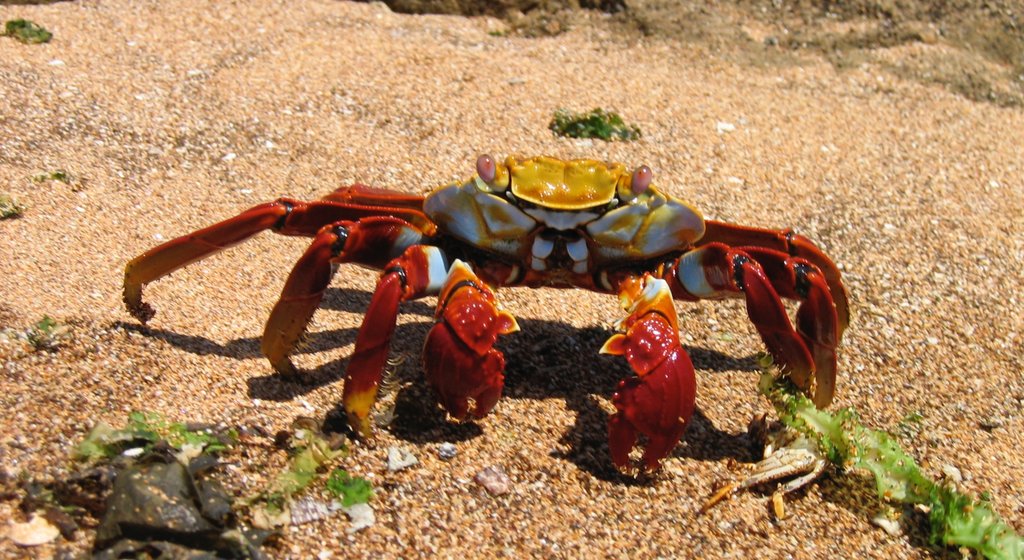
<point>494,480</point>
<point>446,451</point>
<point>307,510</point>
<point>361,516</point>
<point>890,526</point>
<point>35,532</point>
<point>399,459</point>
<point>952,473</point>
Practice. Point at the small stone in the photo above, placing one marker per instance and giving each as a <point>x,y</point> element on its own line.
<point>446,451</point>
<point>34,532</point>
<point>952,473</point>
<point>399,459</point>
<point>887,524</point>
<point>722,127</point>
<point>307,510</point>
<point>361,516</point>
<point>494,480</point>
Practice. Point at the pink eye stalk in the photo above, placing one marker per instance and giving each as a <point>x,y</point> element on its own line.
<point>641,180</point>
<point>485,168</point>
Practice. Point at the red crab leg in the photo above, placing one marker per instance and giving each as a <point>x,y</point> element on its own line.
<point>659,401</point>
<point>419,271</point>
<point>370,242</point>
<point>285,216</point>
<point>790,243</point>
<point>763,276</point>
<point>459,358</point>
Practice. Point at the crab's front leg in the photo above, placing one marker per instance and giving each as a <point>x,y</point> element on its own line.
<point>659,401</point>
<point>420,271</point>
<point>458,356</point>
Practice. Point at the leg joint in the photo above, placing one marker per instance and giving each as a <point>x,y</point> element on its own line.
<point>399,271</point>
<point>341,239</point>
<point>802,286</point>
<point>738,262</point>
<point>288,207</point>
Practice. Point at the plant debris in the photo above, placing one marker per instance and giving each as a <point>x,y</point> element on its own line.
<point>47,334</point>
<point>26,31</point>
<point>146,429</point>
<point>349,489</point>
<point>10,207</point>
<point>163,499</point>
<point>598,123</point>
<point>955,519</point>
<point>310,451</point>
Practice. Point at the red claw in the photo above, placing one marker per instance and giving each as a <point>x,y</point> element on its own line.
<point>458,373</point>
<point>659,402</point>
<point>459,358</point>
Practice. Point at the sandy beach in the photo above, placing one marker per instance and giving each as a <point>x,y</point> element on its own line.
<point>169,116</point>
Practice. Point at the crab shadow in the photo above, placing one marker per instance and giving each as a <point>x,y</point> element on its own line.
<point>546,359</point>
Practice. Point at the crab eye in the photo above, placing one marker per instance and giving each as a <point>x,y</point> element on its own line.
<point>485,168</point>
<point>641,180</point>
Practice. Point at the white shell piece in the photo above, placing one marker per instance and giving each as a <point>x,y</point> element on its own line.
<point>542,247</point>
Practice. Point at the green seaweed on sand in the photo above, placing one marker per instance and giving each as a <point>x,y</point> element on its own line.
<point>955,519</point>
<point>598,123</point>
<point>26,31</point>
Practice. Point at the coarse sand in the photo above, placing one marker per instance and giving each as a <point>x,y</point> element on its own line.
<point>171,115</point>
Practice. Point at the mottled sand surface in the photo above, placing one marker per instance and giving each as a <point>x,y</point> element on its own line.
<point>170,116</point>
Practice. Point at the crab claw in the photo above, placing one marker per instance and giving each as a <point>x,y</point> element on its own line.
<point>659,402</point>
<point>459,358</point>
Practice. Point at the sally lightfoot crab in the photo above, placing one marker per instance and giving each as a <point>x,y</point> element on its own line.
<point>537,222</point>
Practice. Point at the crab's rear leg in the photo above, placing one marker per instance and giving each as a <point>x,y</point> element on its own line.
<point>659,401</point>
<point>790,243</point>
<point>284,216</point>
<point>807,354</point>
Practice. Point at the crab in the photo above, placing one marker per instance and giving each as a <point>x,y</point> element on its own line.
<point>788,454</point>
<point>536,222</point>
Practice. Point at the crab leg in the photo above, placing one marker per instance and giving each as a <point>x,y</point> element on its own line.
<point>763,276</point>
<point>789,243</point>
<point>370,242</point>
<point>420,271</point>
<point>659,401</point>
<point>285,216</point>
